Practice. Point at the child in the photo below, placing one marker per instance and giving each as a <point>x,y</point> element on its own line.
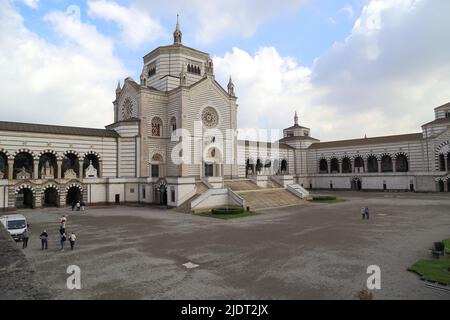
<point>72,239</point>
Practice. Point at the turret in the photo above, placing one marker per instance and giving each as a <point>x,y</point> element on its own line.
<point>177,34</point>
<point>230,87</point>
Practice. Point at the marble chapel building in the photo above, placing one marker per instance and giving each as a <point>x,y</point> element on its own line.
<point>133,159</point>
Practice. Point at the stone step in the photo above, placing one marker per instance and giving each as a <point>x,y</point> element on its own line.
<point>269,198</point>
<point>241,184</point>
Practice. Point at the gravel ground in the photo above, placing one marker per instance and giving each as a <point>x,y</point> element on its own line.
<point>312,251</point>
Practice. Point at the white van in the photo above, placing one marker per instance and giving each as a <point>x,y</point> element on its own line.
<point>16,224</point>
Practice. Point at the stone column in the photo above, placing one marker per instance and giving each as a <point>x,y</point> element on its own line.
<point>59,169</point>
<point>35,169</point>
<point>365,165</point>
<point>81,175</point>
<point>340,166</point>
<point>329,166</point>
<point>62,197</point>
<point>352,167</point>
<point>394,164</point>
<point>100,169</point>
<point>379,166</point>
<point>446,162</point>
<point>10,169</point>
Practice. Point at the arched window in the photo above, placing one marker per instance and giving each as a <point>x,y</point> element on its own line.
<point>284,166</point>
<point>386,163</point>
<point>334,165</point>
<point>70,166</point>
<point>3,166</point>
<point>259,165</point>
<point>156,127</point>
<point>372,164</point>
<point>441,162</point>
<point>91,159</point>
<point>346,165</point>
<point>156,162</point>
<point>23,165</point>
<point>173,124</point>
<point>359,165</point>
<point>47,166</point>
<point>401,163</point>
<point>323,166</point>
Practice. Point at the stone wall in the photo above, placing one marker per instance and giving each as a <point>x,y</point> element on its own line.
<point>18,279</point>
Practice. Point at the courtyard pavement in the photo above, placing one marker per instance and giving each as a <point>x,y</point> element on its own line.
<point>311,251</point>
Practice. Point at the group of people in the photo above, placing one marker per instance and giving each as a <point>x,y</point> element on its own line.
<point>44,236</point>
<point>62,234</point>
<point>365,213</point>
<point>79,205</point>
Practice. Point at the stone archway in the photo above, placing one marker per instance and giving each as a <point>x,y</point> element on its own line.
<point>161,192</point>
<point>50,197</point>
<point>74,193</point>
<point>25,197</point>
<point>356,184</point>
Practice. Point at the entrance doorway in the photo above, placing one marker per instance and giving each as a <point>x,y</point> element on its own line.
<point>209,169</point>
<point>356,184</point>
<point>161,195</point>
<point>51,197</point>
<point>73,195</point>
<point>441,186</point>
<point>24,199</point>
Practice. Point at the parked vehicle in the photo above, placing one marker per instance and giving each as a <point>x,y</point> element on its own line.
<point>15,224</point>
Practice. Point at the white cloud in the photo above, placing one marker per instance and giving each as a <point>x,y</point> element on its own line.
<point>31,3</point>
<point>213,18</point>
<point>71,83</point>
<point>348,10</point>
<point>386,77</point>
<point>136,25</point>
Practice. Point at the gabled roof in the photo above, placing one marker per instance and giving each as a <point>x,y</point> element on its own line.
<point>444,106</point>
<point>293,138</point>
<point>296,126</point>
<point>52,129</point>
<point>367,141</point>
<point>438,121</point>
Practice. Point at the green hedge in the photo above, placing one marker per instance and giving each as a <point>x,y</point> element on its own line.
<point>227,211</point>
<point>324,198</point>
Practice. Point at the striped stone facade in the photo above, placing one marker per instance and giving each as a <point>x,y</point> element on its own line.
<point>133,160</point>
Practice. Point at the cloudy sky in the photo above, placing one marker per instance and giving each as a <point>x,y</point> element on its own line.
<point>349,67</point>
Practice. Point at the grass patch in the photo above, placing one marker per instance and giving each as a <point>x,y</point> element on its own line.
<point>435,270</point>
<point>326,199</point>
<point>226,216</point>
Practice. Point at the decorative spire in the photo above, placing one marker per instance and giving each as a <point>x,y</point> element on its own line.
<point>118,89</point>
<point>177,33</point>
<point>296,118</point>
<point>230,87</point>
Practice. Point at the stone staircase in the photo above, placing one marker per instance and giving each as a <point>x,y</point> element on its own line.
<point>240,185</point>
<point>269,198</point>
<point>185,207</point>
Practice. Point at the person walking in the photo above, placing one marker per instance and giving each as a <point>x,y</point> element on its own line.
<point>72,239</point>
<point>25,237</point>
<point>62,227</point>
<point>62,241</point>
<point>44,240</point>
<point>363,213</point>
<point>367,213</point>
<point>83,205</point>
<point>78,206</point>
<point>73,205</point>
